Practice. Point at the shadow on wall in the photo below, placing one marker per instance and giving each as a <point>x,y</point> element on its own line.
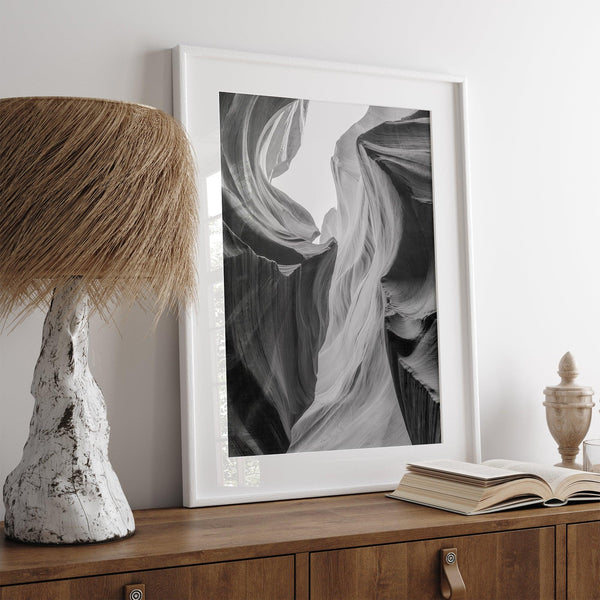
<point>141,367</point>
<point>515,408</point>
<point>156,81</point>
<point>137,366</point>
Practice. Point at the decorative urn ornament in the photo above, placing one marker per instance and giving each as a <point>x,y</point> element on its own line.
<point>568,411</point>
<point>97,207</point>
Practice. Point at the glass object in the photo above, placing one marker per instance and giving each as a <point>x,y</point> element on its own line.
<point>591,456</point>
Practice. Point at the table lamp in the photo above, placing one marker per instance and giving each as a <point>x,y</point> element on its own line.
<point>97,208</point>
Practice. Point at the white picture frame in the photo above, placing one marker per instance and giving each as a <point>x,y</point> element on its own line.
<point>210,478</point>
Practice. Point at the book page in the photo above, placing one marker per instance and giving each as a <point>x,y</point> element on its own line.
<point>554,476</point>
<point>498,507</point>
<point>484,471</point>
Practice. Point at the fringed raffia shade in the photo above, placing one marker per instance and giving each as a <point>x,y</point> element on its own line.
<point>98,189</point>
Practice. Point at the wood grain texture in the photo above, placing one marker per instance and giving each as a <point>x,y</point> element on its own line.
<point>259,579</point>
<point>560,560</point>
<point>302,576</point>
<point>181,537</point>
<point>496,566</point>
<point>583,565</point>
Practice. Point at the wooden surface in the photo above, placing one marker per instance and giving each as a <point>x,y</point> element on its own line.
<point>583,568</point>
<point>258,579</point>
<point>182,537</point>
<point>496,566</point>
<point>302,575</point>
<point>560,562</point>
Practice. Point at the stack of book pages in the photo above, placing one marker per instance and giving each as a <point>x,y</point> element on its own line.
<point>494,485</point>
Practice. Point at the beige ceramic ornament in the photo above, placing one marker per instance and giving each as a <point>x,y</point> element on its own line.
<point>568,411</point>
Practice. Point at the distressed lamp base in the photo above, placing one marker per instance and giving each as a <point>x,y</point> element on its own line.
<point>64,490</point>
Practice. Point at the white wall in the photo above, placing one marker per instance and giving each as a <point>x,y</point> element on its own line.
<point>534,112</point>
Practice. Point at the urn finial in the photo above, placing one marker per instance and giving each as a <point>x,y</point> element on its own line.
<point>568,411</point>
<point>567,369</point>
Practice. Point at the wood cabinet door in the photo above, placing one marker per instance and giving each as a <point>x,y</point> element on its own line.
<point>257,579</point>
<point>514,564</point>
<point>583,561</point>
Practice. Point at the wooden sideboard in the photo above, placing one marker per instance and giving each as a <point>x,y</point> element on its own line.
<point>345,547</point>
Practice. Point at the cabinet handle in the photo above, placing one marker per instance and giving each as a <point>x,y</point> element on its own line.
<point>451,581</point>
<point>137,591</point>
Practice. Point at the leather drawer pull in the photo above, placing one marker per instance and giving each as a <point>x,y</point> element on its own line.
<point>451,581</point>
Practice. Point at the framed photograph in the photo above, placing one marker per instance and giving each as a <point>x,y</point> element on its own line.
<point>332,340</point>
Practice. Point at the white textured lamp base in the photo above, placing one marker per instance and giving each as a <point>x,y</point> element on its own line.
<point>64,490</point>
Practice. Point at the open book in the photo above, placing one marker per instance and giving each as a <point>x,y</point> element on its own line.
<point>494,485</point>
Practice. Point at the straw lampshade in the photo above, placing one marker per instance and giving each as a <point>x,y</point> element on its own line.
<point>97,207</point>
